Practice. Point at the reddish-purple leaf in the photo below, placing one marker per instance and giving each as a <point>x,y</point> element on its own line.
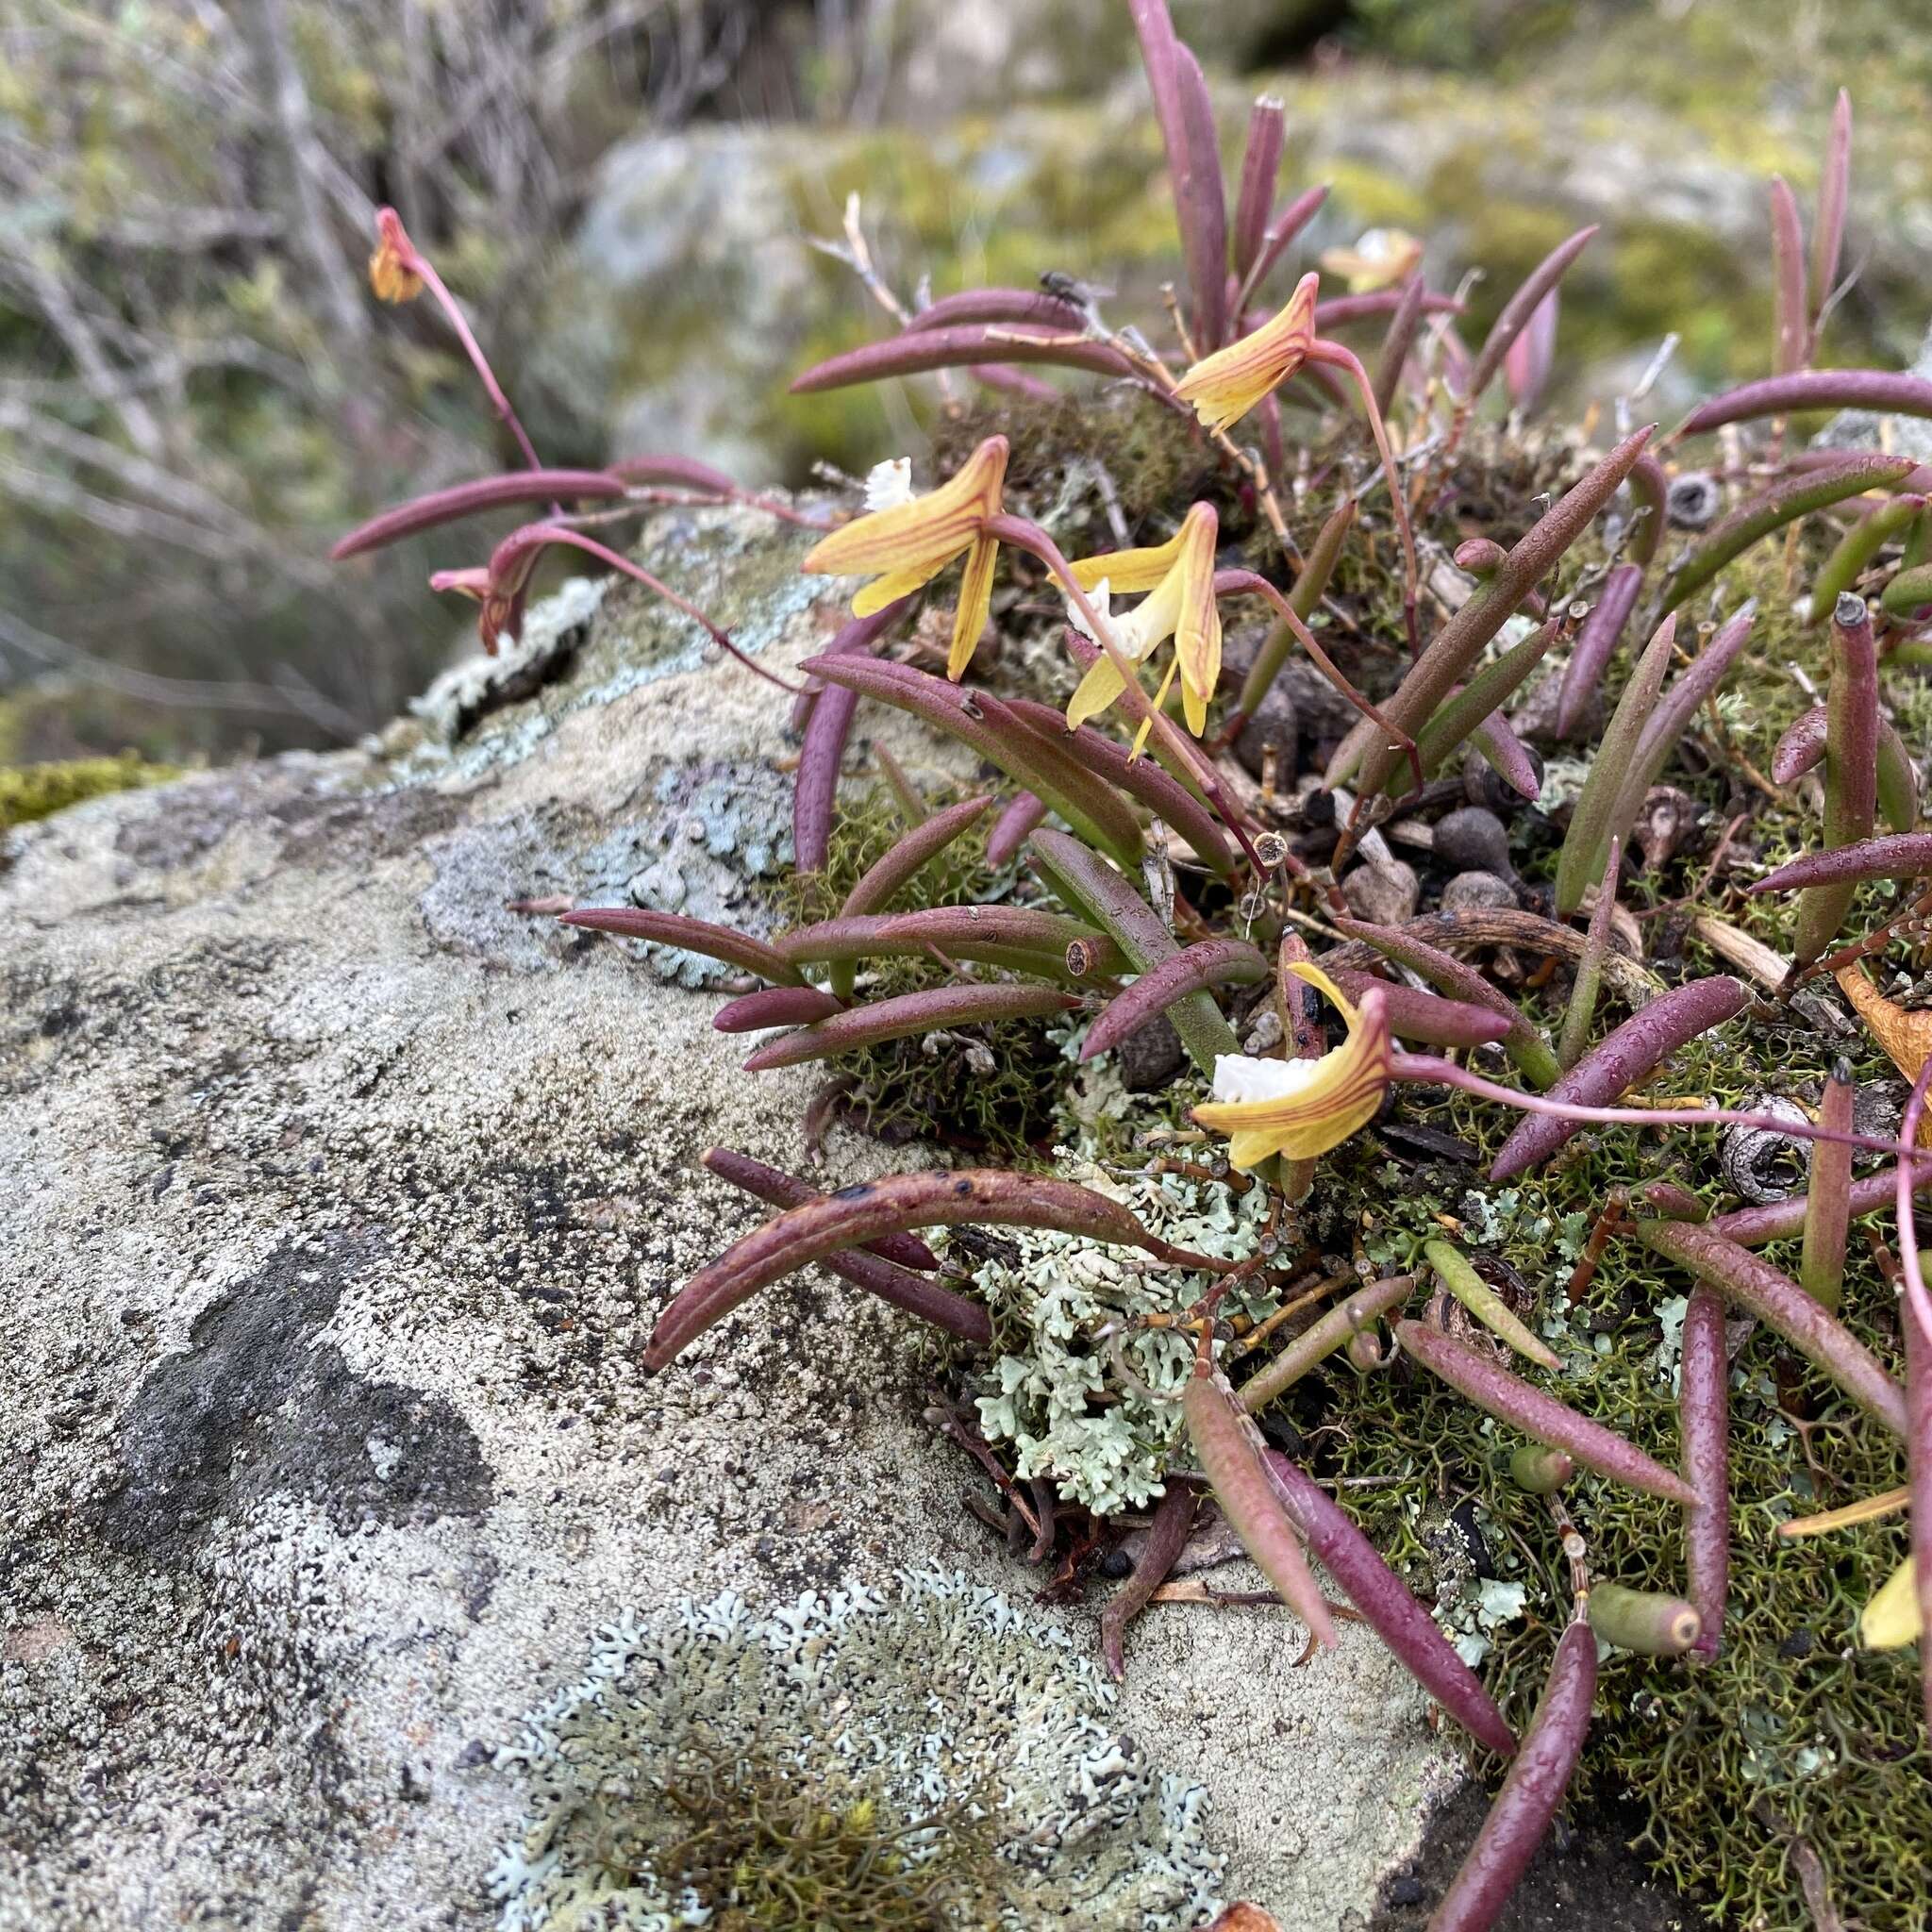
<point>1485,1382</point>
<point>1387,1604</point>
<point>1779,1221</point>
<point>1427,1017</point>
<point>1897,856</point>
<point>1630,1054</point>
<point>778,1188</point>
<point>1030,307</point>
<point>1229,1449</point>
<point>994,731</point>
<point>1459,644</point>
<point>1791,336</point>
<point>1538,1777</point>
<point>867,1210</point>
<point>1280,236</point>
<point>1025,927</point>
<point>1261,164</point>
<point>1704,1427</point>
<point>1212,962</point>
<point>1399,341</point>
<point>876,1273</point>
<point>1082,878</point>
<point>1527,362</point>
<point>472,499</point>
<point>1780,1304</point>
<point>1834,190</point>
<point>1517,313</point>
<point>930,1011</point>
<point>1167,1536</point>
<point>1597,645</point>
<point>961,346</point>
<point>692,935</point>
<point>775,1006</point>
<point>1851,772</point>
<point>1186,114</point>
<point>1012,382</point>
<point>1673,1202</point>
<point>1507,755</point>
<point>913,849</point>
<point>1011,829</point>
<point>1338,311</point>
<point>1462,983</point>
<point>1886,392</point>
<point>1141,779</point>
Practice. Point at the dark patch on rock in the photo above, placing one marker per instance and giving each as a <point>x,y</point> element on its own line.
<point>182,822</point>
<point>324,830</point>
<point>257,1406</point>
<point>1585,1875</point>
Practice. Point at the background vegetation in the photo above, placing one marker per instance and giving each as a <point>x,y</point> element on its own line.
<point>195,393</point>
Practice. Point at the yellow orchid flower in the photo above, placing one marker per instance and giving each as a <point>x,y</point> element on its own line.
<point>1223,387</point>
<point>395,269</point>
<point>1892,1618</point>
<point>1179,576</point>
<point>907,544</point>
<point>1302,1109</point>
<point>1381,259</point>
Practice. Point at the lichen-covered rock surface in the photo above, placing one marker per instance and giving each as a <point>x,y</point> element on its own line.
<point>338,1200</point>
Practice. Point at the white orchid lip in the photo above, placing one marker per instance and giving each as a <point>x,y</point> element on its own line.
<point>1238,1079</point>
<point>888,484</point>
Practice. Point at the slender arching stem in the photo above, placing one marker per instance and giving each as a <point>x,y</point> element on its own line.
<point>560,533</point>
<point>1234,582</point>
<point>422,266</point>
<point>1916,1297</point>
<point>1427,1068</point>
<point>1337,356</point>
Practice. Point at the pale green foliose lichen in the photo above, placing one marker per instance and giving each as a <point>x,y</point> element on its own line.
<point>1070,1315</point>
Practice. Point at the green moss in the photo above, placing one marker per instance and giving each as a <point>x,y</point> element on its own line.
<point>994,1104</point>
<point>37,792</point>
<point>787,1852</point>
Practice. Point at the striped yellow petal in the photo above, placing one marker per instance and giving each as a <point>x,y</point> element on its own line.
<point>1127,571</point>
<point>907,545</point>
<point>891,587</point>
<point>976,605</point>
<point>1223,387</point>
<point>1314,1105</point>
<point>1197,629</point>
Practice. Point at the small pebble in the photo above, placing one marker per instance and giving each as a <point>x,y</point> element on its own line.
<point>1475,891</point>
<point>1473,839</point>
<point>1385,895</point>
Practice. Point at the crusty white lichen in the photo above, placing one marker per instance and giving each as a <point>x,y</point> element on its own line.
<point>936,1703</point>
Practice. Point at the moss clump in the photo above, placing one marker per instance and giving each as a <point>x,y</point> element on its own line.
<point>987,1089</point>
<point>929,1757</point>
<point>37,792</point>
<point>1795,1732</point>
<point>786,1852</point>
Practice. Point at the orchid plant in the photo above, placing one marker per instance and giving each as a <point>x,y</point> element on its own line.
<point>1160,887</point>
